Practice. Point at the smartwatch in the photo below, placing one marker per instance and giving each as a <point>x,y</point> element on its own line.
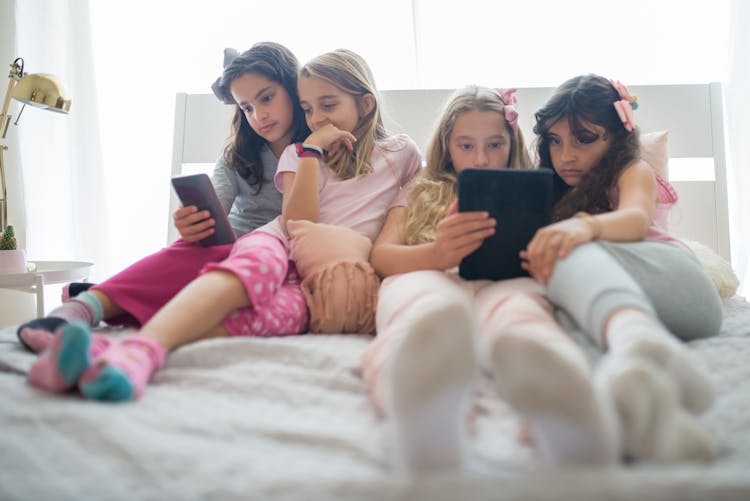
<point>308,150</point>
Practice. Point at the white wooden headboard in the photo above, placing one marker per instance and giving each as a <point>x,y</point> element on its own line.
<point>691,113</point>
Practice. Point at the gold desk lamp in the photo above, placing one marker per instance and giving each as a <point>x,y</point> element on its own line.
<point>39,90</point>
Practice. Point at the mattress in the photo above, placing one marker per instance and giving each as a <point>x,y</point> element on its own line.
<point>289,418</point>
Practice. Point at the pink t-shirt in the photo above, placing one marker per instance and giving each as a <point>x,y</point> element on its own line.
<point>359,203</point>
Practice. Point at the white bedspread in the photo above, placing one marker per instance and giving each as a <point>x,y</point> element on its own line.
<point>288,418</point>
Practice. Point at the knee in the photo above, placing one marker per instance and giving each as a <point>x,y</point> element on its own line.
<point>567,271</point>
<point>520,308</point>
<point>342,298</point>
<point>705,325</point>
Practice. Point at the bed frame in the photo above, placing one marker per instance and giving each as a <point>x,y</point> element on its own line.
<point>289,418</point>
<point>691,113</point>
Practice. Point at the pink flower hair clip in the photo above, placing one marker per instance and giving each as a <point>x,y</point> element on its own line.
<point>509,99</point>
<point>625,106</point>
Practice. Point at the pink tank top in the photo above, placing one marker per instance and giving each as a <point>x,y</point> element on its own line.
<point>667,198</point>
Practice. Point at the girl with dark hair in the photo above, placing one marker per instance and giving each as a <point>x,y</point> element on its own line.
<point>261,84</point>
<point>347,173</point>
<point>609,263</point>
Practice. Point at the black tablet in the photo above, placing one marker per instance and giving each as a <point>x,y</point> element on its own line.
<point>197,189</point>
<point>520,201</point>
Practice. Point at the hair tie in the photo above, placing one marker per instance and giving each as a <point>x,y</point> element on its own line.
<point>510,102</point>
<point>625,106</point>
<point>229,56</point>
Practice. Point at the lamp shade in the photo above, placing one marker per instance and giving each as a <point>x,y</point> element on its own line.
<point>43,91</point>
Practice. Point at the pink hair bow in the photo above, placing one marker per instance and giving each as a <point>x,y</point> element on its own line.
<point>509,99</point>
<point>625,106</point>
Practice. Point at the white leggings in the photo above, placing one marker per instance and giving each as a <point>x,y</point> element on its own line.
<point>496,307</point>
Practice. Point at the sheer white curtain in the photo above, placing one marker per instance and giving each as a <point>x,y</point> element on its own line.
<point>60,155</point>
<point>539,43</point>
<point>737,96</point>
<point>146,51</point>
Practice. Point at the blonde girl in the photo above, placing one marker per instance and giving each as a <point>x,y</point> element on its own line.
<point>430,322</point>
<point>347,172</point>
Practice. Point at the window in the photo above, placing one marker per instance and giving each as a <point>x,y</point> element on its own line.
<point>146,51</point>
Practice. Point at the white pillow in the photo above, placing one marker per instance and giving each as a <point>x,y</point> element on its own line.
<point>717,268</point>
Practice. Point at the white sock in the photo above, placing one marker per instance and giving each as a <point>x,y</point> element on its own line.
<point>428,389</point>
<point>548,381</point>
<point>654,425</point>
<point>637,334</point>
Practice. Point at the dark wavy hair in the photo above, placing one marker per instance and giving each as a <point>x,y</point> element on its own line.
<point>278,64</point>
<point>584,101</point>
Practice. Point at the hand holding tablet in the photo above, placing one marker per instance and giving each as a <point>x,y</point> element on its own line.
<point>196,189</point>
<point>520,201</point>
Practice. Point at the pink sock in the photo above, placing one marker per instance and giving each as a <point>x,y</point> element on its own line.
<point>69,353</point>
<point>84,308</point>
<point>39,340</point>
<point>37,335</point>
<point>122,371</point>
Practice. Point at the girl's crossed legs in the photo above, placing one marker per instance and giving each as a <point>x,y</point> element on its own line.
<point>257,280</point>
<point>420,368</point>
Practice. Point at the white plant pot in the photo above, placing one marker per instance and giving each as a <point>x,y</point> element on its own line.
<point>12,261</point>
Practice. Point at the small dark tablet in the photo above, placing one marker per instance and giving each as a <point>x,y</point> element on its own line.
<point>520,201</point>
<point>197,189</point>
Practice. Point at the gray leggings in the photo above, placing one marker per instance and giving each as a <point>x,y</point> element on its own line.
<point>599,278</point>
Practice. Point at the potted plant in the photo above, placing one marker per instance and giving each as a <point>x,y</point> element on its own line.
<point>12,260</point>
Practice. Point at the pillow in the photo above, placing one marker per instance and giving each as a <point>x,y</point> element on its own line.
<point>654,150</point>
<point>339,284</point>
<point>342,298</point>
<point>315,245</point>
<point>718,269</point>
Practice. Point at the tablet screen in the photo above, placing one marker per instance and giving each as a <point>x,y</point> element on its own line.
<point>520,201</point>
<point>197,189</point>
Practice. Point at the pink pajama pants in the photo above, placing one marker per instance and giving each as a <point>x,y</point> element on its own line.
<point>277,304</point>
<point>497,307</point>
<point>147,285</point>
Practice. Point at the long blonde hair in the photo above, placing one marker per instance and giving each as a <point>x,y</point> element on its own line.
<point>434,189</point>
<point>350,73</point>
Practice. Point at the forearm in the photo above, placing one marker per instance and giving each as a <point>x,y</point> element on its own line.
<point>303,201</point>
<point>392,259</point>
<point>623,225</point>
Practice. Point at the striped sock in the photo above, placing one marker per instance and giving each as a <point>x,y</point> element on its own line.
<point>85,307</point>
<point>36,335</point>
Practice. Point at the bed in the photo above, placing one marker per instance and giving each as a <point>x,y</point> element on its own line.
<point>289,418</point>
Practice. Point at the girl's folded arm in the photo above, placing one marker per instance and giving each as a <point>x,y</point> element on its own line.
<point>637,200</point>
<point>301,199</point>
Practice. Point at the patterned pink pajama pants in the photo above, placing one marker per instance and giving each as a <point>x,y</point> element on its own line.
<point>277,304</point>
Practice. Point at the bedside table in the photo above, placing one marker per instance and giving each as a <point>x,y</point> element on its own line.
<point>47,272</point>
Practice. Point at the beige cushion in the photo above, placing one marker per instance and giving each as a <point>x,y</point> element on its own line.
<point>340,286</point>
<point>315,245</point>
